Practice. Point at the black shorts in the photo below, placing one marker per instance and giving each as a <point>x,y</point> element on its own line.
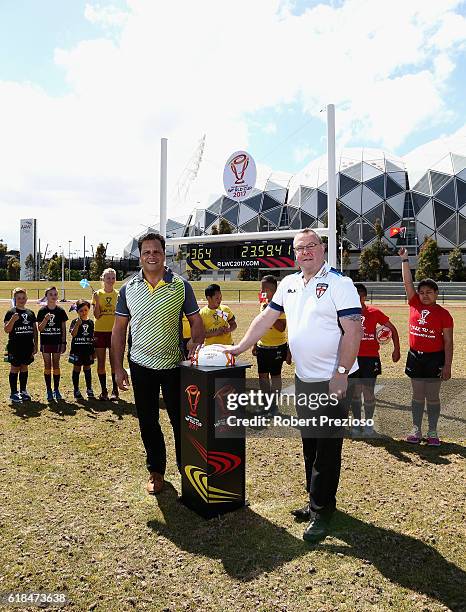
<point>81,359</point>
<point>20,358</point>
<point>369,367</point>
<point>270,360</point>
<point>424,365</point>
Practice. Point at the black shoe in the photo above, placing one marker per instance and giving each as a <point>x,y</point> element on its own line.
<point>317,528</point>
<point>303,514</point>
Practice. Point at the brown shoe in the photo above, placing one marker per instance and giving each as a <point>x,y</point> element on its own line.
<point>155,483</point>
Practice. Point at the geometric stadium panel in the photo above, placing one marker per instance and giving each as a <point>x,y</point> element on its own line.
<point>461,191</point>
<point>231,215</point>
<point>418,201</point>
<point>296,221</point>
<point>273,215</point>
<point>306,220</point>
<point>353,199</point>
<point>423,185</point>
<point>459,162</point>
<point>442,213</point>
<point>254,202</point>
<point>210,218</point>
<point>390,217</point>
<point>392,188</point>
<point>461,229</point>
<point>399,177</point>
<point>447,194</point>
<point>268,203</point>
<point>294,201</point>
<point>448,230</point>
<point>391,167</point>
<point>321,202</point>
<point>277,194</point>
<point>347,214</point>
<point>215,207</point>
<point>438,180</point>
<point>310,204</point>
<point>245,214</point>
<point>353,172</point>
<point>426,216</point>
<point>377,185</point>
<point>442,242</point>
<point>227,204</point>
<point>369,172</point>
<point>352,234</point>
<point>397,203</point>
<point>375,214</point>
<point>346,184</point>
<point>306,193</point>
<point>422,232</point>
<point>368,233</point>
<point>369,199</point>
<point>250,226</point>
<point>444,165</point>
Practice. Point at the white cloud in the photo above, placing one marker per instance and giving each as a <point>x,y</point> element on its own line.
<point>181,69</point>
<point>302,154</point>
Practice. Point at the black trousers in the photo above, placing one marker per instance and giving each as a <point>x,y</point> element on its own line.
<point>146,387</point>
<point>322,446</point>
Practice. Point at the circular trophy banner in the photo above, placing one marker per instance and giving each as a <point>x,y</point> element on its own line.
<point>239,175</point>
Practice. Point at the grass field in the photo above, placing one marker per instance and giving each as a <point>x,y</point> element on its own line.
<point>74,515</point>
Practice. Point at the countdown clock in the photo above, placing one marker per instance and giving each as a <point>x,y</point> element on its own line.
<point>254,254</point>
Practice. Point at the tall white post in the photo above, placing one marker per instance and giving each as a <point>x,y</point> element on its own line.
<point>163,186</point>
<point>62,274</point>
<point>331,187</point>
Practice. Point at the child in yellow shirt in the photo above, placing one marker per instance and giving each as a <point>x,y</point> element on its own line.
<point>219,320</point>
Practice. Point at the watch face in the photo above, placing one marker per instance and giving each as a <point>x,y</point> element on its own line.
<point>341,369</point>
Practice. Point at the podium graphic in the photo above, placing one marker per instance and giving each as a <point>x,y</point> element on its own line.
<point>213,469</point>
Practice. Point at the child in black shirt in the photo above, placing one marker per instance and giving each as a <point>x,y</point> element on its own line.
<point>20,325</point>
<point>82,348</point>
<point>51,320</point>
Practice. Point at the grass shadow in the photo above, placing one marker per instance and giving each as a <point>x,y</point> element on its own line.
<point>402,559</point>
<point>401,450</point>
<point>246,543</point>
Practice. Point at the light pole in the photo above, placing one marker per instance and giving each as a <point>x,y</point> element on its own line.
<point>62,272</point>
<point>341,253</point>
<point>69,260</point>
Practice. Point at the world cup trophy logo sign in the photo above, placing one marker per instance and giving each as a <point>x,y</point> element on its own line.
<point>239,175</point>
<point>238,166</point>
<point>193,396</point>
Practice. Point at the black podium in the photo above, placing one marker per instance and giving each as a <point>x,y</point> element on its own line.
<point>213,470</point>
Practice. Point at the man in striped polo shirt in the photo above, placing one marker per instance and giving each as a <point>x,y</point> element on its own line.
<point>153,303</point>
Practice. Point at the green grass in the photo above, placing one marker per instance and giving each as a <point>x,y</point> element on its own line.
<point>74,514</point>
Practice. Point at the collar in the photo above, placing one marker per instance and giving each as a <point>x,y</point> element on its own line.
<point>324,270</point>
<point>167,276</point>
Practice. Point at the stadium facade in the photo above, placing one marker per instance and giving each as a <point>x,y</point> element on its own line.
<point>371,185</point>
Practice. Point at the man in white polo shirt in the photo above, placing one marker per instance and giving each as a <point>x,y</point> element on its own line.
<point>323,314</point>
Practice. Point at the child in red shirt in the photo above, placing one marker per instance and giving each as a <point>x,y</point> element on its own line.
<point>430,351</point>
<point>369,360</point>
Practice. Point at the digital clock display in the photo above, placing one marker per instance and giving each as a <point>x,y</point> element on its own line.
<point>260,254</point>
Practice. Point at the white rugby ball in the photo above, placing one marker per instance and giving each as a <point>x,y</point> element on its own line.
<point>383,334</point>
<point>213,355</point>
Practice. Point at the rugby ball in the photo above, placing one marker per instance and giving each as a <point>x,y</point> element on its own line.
<point>383,334</point>
<point>212,355</point>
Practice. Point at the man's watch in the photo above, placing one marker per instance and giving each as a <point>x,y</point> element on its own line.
<point>342,370</point>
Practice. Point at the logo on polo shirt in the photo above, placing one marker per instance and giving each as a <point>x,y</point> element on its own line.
<point>291,290</point>
<point>321,288</point>
<point>424,315</point>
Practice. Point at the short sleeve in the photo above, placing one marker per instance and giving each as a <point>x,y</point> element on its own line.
<point>72,324</point>
<point>230,313</point>
<point>64,316</point>
<point>94,301</point>
<point>415,300</point>
<point>41,315</point>
<point>345,297</point>
<point>190,306</point>
<point>33,316</point>
<point>447,320</point>
<point>382,318</point>
<point>8,315</point>
<point>121,309</point>
<point>277,301</point>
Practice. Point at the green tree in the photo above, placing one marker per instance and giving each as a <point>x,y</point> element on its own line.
<point>214,231</point>
<point>54,268</point>
<point>428,265</point>
<point>224,227</point>
<point>3,248</point>
<point>29,265</point>
<point>456,270</point>
<point>194,275</point>
<point>3,274</point>
<point>372,264</point>
<point>99,263</point>
<point>13,268</point>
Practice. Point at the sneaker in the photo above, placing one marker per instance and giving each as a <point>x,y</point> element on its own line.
<point>90,393</point>
<point>16,398</point>
<point>356,432</point>
<point>50,397</point>
<point>25,396</point>
<point>114,396</point>
<point>57,395</point>
<point>432,438</point>
<point>304,513</point>
<point>318,527</point>
<point>77,394</point>
<point>103,397</point>
<point>414,437</point>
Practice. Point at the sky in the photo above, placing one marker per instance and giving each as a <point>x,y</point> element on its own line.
<point>89,88</point>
